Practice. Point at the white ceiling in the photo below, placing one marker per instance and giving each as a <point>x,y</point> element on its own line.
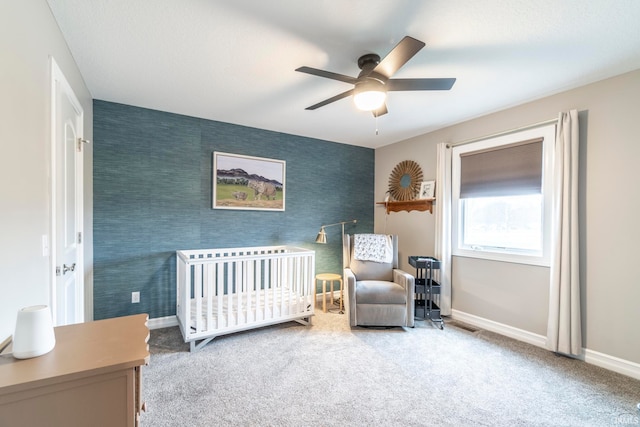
<point>234,61</point>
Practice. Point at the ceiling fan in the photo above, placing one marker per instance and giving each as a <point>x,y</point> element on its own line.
<point>374,81</point>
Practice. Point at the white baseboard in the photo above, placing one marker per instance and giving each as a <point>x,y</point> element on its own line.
<point>336,296</point>
<point>611,363</point>
<point>500,328</point>
<point>162,322</point>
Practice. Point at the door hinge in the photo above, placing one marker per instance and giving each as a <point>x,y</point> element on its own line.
<point>80,237</point>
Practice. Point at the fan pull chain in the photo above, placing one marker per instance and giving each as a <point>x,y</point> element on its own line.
<point>376,116</point>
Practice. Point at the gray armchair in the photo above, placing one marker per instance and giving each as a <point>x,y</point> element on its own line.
<point>377,294</point>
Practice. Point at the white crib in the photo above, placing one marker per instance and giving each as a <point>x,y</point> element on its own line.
<point>221,291</point>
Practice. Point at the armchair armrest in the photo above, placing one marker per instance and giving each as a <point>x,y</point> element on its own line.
<point>404,279</point>
<point>350,293</point>
<point>408,282</point>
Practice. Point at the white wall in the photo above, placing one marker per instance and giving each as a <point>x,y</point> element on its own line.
<point>516,295</point>
<point>29,35</point>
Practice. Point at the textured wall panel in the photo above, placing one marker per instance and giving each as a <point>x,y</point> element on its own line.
<point>152,196</point>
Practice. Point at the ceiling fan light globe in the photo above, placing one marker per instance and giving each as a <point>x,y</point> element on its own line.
<point>369,100</point>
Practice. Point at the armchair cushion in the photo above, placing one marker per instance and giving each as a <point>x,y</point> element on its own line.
<point>369,270</point>
<point>380,292</point>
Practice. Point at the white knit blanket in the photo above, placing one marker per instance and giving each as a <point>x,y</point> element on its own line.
<point>372,247</point>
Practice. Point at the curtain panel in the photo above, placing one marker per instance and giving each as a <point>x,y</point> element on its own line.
<point>442,250</point>
<point>564,330</point>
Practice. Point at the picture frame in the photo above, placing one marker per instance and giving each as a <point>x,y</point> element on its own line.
<point>248,183</point>
<point>427,190</point>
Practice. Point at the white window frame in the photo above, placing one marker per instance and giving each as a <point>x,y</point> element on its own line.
<point>548,133</point>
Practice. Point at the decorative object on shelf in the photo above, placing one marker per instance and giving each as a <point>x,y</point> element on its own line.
<point>34,334</point>
<point>427,190</point>
<point>405,180</point>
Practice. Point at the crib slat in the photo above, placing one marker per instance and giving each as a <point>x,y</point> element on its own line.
<point>219,292</point>
<point>184,287</point>
<point>239,293</point>
<point>243,292</point>
<point>299,285</point>
<point>311,282</point>
<point>197,288</point>
<point>310,288</point>
<point>306,284</point>
<point>229,293</point>
<point>282,285</point>
<point>210,270</point>
<point>302,290</point>
<point>250,289</point>
<point>275,270</point>
<point>257,287</point>
<point>266,283</point>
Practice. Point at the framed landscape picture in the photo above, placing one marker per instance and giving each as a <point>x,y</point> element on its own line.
<point>246,182</point>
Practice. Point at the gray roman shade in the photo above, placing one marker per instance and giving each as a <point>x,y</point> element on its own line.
<point>508,170</point>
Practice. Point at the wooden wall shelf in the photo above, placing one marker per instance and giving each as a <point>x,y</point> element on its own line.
<point>409,205</point>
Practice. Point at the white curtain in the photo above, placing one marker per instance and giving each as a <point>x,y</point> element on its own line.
<point>442,248</point>
<point>564,334</point>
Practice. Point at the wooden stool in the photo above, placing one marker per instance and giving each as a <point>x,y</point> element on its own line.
<point>330,277</point>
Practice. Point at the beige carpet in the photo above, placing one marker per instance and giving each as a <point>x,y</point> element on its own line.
<point>331,375</point>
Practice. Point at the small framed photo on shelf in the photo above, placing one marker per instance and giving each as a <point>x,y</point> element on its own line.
<point>427,190</point>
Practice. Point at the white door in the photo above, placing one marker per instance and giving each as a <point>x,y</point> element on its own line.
<point>67,293</point>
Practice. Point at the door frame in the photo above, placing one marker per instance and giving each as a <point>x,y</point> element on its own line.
<point>65,88</point>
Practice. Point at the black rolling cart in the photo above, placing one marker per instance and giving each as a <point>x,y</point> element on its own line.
<point>427,289</point>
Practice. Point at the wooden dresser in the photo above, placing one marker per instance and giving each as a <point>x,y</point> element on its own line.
<point>91,378</point>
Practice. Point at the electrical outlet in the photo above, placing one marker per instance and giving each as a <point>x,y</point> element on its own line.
<point>135,297</point>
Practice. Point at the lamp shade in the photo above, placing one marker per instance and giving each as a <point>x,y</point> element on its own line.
<point>34,334</point>
<point>322,236</point>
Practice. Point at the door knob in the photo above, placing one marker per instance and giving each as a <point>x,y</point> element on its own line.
<point>66,267</point>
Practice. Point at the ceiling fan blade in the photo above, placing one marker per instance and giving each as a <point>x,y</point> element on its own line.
<point>399,55</point>
<point>330,100</point>
<point>327,74</point>
<point>380,111</point>
<point>420,84</point>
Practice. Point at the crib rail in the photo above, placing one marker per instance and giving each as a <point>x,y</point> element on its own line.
<point>220,291</point>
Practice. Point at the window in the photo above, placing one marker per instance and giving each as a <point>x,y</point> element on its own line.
<point>502,197</point>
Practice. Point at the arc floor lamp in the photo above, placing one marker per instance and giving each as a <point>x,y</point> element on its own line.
<point>322,238</point>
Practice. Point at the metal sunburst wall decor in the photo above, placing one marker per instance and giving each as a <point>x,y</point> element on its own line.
<point>405,180</point>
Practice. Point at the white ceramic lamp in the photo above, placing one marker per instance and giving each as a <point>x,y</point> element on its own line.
<point>34,334</point>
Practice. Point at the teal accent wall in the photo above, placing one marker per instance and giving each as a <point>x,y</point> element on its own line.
<point>152,176</point>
